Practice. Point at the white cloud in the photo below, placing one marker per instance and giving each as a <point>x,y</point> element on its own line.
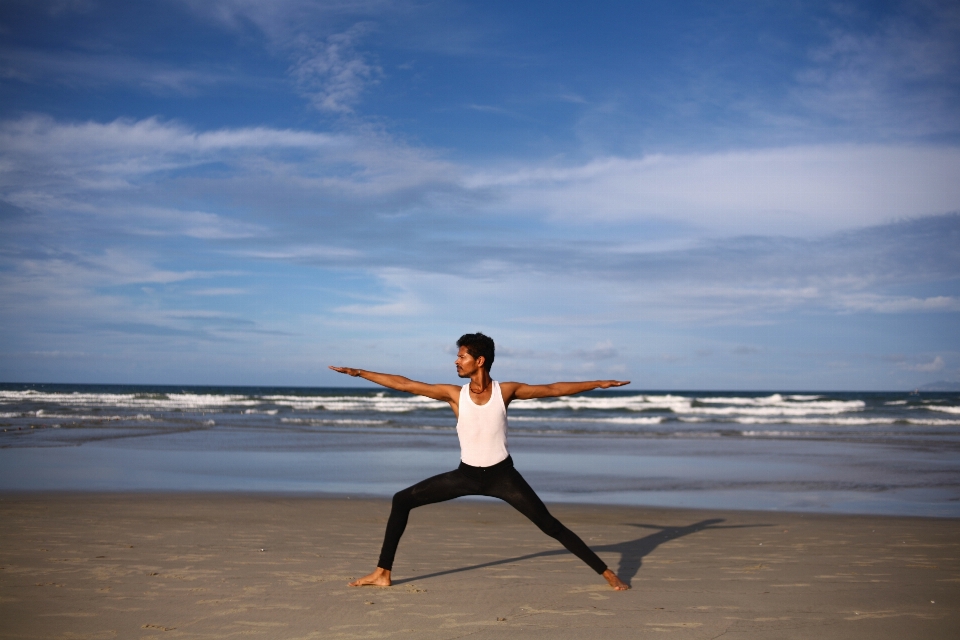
<point>745,291</point>
<point>327,67</point>
<point>97,69</point>
<point>406,307</point>
<point>66,7</point>
<point>600,351</point>
<point>121,173</point>
<point>933,366</point>
<point>332,73</point>
<point>804,191</point>
<point>125,174</point>
<point>90,294</point>
<point>128,172</point>
<point>220,291</point>
<point>192,224</point>
<point>897,75</point>
<point>404,295</point>
<point>794,190</point>
<point>50,140</point>
<point>301,253</point>
<point>278,19</point>
<point>46,164</point>
<point>896,304</point>
<point>79,271</point>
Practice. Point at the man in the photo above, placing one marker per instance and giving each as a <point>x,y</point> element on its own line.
<point>486,467</point>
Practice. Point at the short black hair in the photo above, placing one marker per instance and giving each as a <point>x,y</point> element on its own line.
<point>478,345</point>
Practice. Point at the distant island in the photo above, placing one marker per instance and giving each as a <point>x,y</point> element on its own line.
<point>940,385</point>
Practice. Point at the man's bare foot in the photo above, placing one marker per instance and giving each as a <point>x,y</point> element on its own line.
<point>381,578</point>
<point>614,581</point>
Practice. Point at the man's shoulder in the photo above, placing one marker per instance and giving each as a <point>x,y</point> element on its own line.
<point>509,387</point>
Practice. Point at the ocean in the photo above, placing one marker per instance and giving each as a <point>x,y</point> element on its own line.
<point>879,453</point>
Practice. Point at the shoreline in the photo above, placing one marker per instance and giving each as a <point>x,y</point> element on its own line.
<point>733,474</point>
<point>272,494</point>
<point>190,565</point>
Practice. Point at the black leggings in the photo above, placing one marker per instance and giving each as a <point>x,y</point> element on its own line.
<point>499,481</point>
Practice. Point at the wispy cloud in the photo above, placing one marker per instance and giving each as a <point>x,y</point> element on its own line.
<point>314,197</point>
<point>601,351</point>
<point>328,67</point>
<point>279,18</point>
<point>114,171</point>
<point>897,75</point>
<point>98,70</point>
<point>192,224</point>
<point>220,291</point>
<point>41,136</point>
<point>69,270</point>
<point>897,304</point>
<point>798,191</point>
<point>64,7</point>
<point>115,291</point>
<point>486,108</point>
<point>332,73</point>
<point>937,364</point>
<point>793,190</point>
<point>447,28</point>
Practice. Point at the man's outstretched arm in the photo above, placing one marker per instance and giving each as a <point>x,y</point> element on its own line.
<point>521,391</point>
<point>443,392</point>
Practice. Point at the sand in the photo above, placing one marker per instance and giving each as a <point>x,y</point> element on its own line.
<point>230,566</point>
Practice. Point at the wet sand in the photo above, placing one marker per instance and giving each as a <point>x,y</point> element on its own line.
<point>217,566</point>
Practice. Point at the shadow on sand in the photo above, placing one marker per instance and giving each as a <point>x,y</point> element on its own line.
<point>632,552</point>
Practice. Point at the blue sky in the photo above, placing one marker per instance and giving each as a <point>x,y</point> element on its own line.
<point>690,195</point>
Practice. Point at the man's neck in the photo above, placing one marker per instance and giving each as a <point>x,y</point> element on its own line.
<point>480,382</point>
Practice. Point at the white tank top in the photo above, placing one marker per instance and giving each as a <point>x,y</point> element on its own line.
<point>482,429</point>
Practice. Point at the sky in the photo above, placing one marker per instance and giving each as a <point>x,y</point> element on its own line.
<point>756,195</point>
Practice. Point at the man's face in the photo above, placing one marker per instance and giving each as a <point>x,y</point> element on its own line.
<point>466,364</point>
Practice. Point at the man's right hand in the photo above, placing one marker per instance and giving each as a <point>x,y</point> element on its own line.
<point>347,370</point>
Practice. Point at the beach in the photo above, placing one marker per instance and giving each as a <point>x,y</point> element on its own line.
<point>149,512</point>
<point>226,565</point>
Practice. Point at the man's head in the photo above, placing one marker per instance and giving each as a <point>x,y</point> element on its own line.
<point>478,346</point>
